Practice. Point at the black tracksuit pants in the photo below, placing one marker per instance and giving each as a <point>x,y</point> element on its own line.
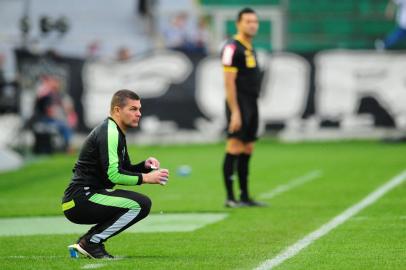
<point>111,210</point>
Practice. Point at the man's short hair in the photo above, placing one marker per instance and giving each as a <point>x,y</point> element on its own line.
<point>120,98</point>
<point>244,11</point>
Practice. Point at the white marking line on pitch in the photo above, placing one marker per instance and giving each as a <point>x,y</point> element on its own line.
<point>33,257</point>
<point>181,222</point>
<point>333,223</point>
<point>99,265</point>
<point>93,265</point>
<point>291,184</point>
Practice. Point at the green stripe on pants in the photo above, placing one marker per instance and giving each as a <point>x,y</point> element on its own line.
<point>68,205</point>
<point>115,201</point>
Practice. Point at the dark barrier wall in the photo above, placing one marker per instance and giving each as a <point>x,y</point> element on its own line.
<point>339,89</point>
<point>178,104</point>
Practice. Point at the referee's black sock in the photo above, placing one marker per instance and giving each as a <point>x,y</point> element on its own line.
<point>228,170</point>
<point>243,164</point>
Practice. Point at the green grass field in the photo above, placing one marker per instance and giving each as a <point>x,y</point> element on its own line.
<point>374,238</point>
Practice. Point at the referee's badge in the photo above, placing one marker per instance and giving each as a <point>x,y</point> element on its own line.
<point>250,59</point>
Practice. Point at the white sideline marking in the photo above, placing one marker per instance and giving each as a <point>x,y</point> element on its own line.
<point>291,184</point>
<point>333,223</point>
<point>93,265</point>
<point>116,258</point>
<point>360,218</point>
<point>32,257</point>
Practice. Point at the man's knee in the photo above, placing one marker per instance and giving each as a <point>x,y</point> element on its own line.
<point>145,205</point>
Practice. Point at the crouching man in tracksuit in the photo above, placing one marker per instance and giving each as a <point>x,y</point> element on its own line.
<point>103,163</point>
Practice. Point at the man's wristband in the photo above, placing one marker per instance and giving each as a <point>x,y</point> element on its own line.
<point>140,179</point>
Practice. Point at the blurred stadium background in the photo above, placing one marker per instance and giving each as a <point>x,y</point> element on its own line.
<point>326,90</point>
<point>323,79</point>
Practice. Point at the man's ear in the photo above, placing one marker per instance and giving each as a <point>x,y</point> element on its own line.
<point>116,109</point>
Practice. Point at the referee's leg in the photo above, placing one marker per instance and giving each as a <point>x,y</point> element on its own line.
<point>233,148</point>
<point>113,212</point>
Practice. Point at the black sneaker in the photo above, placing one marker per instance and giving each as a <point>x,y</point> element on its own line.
<point>251,203</point>
<point>231,204</point>
<point>93,250</point>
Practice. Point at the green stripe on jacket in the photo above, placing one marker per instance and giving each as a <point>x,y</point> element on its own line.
<point>113,173</point>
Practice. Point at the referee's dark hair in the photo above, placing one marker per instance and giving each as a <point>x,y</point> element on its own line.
<point>120,98</point>
<point>244,11</point>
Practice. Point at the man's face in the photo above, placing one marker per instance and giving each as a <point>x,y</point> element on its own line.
<point>130,114</point>
<point>248,25</point>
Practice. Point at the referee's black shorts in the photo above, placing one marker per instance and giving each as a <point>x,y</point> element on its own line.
<point>249,116</point>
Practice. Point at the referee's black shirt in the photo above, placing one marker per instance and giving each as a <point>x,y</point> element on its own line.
<point>239,56</point>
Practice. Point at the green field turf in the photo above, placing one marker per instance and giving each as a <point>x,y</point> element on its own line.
<point>375,238</point>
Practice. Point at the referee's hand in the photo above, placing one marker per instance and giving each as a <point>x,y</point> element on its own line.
<point>235,122</point>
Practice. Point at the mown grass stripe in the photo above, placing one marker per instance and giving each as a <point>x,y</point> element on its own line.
<point>182,222</point>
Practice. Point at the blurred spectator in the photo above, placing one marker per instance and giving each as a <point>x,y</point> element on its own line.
<point>201,37</point>
<point>54,111</point>
<point>399,33</point>
<point>124,54</point>
<point>93,50</point>
<point>178,37</point>
<point>175,34</point>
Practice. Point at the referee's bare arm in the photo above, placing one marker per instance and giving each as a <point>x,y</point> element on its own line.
<point>231,98</point>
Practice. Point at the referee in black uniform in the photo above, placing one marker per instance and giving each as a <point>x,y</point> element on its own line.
<point>242,83</point>
<point>103,163</point>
